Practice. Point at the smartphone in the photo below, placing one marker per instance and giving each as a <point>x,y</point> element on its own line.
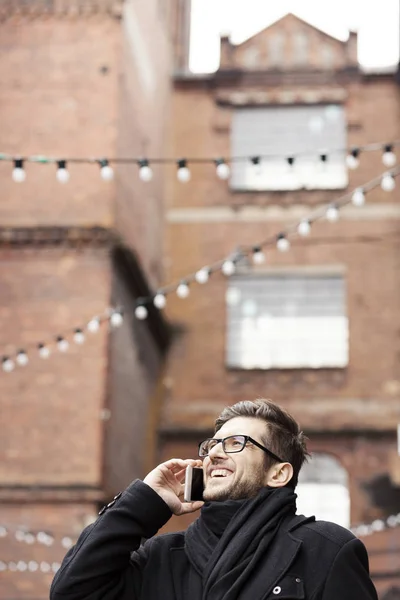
<point>194,485</point>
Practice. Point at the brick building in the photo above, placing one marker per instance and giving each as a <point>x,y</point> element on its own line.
<point>78,78</point>
<point>315,328</point>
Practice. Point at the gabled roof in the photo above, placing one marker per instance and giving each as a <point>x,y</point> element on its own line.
<point>291,15</point>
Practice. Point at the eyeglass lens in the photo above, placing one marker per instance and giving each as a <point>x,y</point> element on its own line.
<point>233,443</point>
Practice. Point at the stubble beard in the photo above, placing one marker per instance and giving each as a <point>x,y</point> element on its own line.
<point>243,489</point>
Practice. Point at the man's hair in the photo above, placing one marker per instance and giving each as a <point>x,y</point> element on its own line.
<point>284,436</point>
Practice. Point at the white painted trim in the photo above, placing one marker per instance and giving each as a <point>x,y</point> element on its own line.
<point>250,214</point>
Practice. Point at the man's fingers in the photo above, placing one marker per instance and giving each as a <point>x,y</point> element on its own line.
<point>177,464</point>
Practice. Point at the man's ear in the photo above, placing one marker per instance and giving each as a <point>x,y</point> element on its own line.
<point>279,475</point>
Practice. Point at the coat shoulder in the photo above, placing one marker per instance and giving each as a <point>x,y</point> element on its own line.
<point>331,532</point>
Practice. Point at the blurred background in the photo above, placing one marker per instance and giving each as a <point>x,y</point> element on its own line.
<point>198,206</point>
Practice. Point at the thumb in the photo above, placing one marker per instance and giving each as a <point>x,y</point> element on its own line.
<point>189,507</point>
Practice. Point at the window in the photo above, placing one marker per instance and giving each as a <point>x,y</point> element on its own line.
<point>285,131</point>
<point>286,321</point>
<point>323,490</point>
<point>276,45</point>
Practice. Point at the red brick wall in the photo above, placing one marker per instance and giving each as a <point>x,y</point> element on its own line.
<point>53,407</point>
<point>59,98</point>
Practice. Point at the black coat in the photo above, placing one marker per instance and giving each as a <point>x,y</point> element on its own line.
<point>310,560</point>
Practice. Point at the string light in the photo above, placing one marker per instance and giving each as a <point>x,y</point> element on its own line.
<point>223,170</point>
<point>106,172</point>
<point>256,162</point>
<point>182,291</point>
<point>116,318</point>
<point>358,197</point>
<point>62,344</point>
<point>8,364</point>
<point>44,351</point>
<point>79,337</point>
<point>22,358</point>
<point>141,312</point>
<point>388,156</point>
<point>160,301</point>
<point>94,325</point>
<point>388,183</point>
<point>282,243</point>
<point>202,275</point>
<point>304,227</point>
<point>332,213</point>
<point>18,173</point>
<point>62,173</point>
<point>352,159</point>
<point>258,255</point>
<point>145,171</point>
<point>183,172</point>
<point>228,267</point>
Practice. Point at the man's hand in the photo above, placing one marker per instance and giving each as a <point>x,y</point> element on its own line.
<point>167,480</point>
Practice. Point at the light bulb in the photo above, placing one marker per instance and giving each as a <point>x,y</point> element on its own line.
<point>145,171</point>
<point>388,156</point>
<point>256,162</point>
<point>79,337</point>
<point>258,256</point>
<point>141,312</point>
<point>55,566</point>
<point>30,538</point>
<point>33,566</point>
<point>159,301</point>
<point>8,364</point>
<point>116,319</point>
<point>3,531</point>
<point>62,344</point>
<point>44,351</point>
<point>223,170</point>
<point>228,267</point>
<point>67,542</point>
<point>358,197</point>
<point>352,160</point>
<point>332,213</point>
<point>22,358</point>
<point>106,172</point>
<point>45,567</point>
<point>304,227</point>
<point>62,173</point>
<point>388,183</point>
<point>94,325</point>
<point>182,291</point>
<point>202,275</point>
<point>183,173</point>
<point>22,565</point>
<point>282,243</point>
<point>18,173</point>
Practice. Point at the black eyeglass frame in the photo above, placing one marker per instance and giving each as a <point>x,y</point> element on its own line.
<point>247,439</point>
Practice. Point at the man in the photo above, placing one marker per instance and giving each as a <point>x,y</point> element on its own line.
<point>247,543</point>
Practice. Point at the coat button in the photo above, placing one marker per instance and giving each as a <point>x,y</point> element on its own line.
<point>103,510</point>
<point>118,496</point>
<point>298,580</point>
<point>277,590</point>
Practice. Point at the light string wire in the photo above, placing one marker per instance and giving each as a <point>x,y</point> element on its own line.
<point>385,147</point>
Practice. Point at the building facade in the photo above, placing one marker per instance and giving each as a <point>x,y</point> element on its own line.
<point>78,79</point>
<point>314,328</point>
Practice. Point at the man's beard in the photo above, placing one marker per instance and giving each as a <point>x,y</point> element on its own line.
<point>238,490</point>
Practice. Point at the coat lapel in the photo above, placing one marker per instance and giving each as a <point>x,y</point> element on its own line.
<point>187,582</point>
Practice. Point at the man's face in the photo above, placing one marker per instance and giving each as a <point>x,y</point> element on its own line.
<point>242,474</point>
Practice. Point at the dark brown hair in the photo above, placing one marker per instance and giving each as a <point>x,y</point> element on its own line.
<point>283,436</point>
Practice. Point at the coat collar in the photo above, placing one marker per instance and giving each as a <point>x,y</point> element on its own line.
<point>282,554</point>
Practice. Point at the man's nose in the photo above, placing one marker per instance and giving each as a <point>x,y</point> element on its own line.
<point>217,451</point>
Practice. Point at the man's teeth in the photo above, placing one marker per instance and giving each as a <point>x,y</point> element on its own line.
<point>220,473</point>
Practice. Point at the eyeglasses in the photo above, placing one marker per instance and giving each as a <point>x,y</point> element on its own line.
<point>232,444</point>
